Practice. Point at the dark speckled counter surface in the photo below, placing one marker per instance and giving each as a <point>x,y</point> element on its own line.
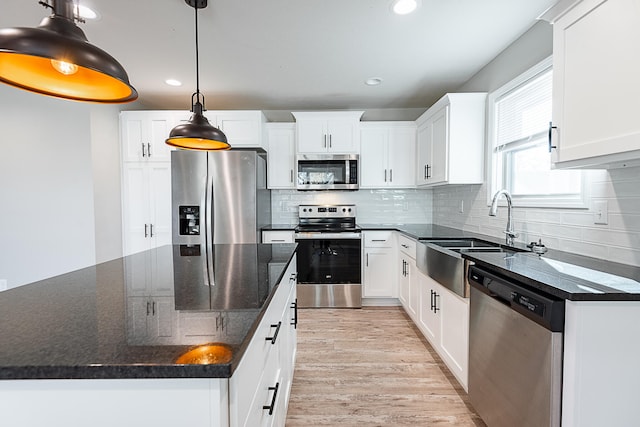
<point>564,275</point>
<point>134,316</point>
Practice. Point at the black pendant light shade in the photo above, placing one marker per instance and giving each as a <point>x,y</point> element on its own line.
<point>198,133</point>
<point>56,59</point>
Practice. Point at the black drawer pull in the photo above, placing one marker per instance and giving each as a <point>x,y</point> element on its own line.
<point>273,338</point>
<point>273,399</point>
<point>294,305</point>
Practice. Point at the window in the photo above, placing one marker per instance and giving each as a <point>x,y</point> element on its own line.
<point>520,113</point>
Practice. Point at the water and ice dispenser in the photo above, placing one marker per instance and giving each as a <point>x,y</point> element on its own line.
<point>189,220</point>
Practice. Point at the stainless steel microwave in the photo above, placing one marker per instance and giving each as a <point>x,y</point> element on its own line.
<point>327,172</point>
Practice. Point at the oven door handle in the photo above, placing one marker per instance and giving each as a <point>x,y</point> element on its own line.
<point>324,236</point>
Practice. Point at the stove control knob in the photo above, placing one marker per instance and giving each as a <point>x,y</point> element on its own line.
<point>349,209</point>
<point>344,210</point>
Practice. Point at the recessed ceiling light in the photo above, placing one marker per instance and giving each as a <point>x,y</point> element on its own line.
<point>404,7</point>
<point>86,13</point>
<point>373,81</point>
<point>173,82</point>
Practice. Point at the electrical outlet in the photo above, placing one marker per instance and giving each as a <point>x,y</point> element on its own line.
<point>3,285</point>
<point>600,212</point>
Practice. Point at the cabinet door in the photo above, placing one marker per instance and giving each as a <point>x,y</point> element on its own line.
<point>143,134</point>
<point>281,157</point>
<point>455,335</point>
<point>413,295</point>
<point>401,158</point>
<point>343,136</point>
<point>135,206</point>
<point>159,196</point>
<point>596,95</point>
<point>423,142</point>
<point>429,317</point>
<point>439,147</point>
<point>404,283</point>
<point>137,315</point>
<point>379,276</point>
<point>242,128</point>
<point>373,158</point>
<point>311,136</point>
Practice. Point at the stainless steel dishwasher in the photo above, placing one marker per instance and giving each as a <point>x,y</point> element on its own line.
<point>515,352</point>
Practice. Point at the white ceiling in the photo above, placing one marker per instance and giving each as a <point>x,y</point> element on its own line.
<point>298,54</point>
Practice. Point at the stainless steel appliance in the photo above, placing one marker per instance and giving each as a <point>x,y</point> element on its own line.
<point>329,257</point>
<point>219,196</point>
<point>515,352</point>
<point>327,172</point>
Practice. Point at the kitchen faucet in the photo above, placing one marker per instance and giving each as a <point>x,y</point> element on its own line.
<point>510,234</point>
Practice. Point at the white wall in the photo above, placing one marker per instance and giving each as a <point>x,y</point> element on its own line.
<point>105,150</point>
<point>47,215</point>
<point>570,230</point>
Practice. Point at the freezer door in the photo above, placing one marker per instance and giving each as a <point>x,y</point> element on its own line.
<point>188,188</point>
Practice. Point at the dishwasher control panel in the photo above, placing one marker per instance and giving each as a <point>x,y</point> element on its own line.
<point>542,308</point>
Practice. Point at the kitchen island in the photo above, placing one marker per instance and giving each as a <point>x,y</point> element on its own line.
<point>123,342</point>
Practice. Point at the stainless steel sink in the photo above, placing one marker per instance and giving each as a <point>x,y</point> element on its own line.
<point>442,260</point>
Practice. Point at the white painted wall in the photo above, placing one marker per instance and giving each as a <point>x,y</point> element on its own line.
<point>47,212</point>
<point>105,151</point>
<point>570,230</point>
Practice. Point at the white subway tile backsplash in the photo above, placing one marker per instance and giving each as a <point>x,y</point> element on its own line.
<point>373,206</point>
<point>571,230</point>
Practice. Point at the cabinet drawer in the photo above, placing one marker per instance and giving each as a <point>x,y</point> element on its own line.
<point>378,239</point>
<point>407,245</point>
<point>279,236</point>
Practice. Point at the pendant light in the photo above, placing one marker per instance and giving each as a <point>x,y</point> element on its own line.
<point>198,133</point>
<point>56,59</point>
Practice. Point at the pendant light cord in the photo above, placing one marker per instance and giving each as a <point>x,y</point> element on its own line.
<point>197,56</point>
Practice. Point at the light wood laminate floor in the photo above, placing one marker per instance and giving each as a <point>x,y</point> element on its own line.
<point>371,367</point>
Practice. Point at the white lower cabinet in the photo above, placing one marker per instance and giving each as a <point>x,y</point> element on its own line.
<point>407,278</point>
<point>379,275</point>
<point>444,321</point>
<point>260,387</point>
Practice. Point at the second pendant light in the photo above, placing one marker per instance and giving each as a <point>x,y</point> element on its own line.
<point>197,133</point>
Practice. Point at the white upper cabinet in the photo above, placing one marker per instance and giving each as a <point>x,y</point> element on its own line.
<point>143,134</point>
<point>451,141</point>
<point>281,160</point>
<point>244,129</point>
<point>328,132</point>
<point>596,89</point>
<point>387,154</point>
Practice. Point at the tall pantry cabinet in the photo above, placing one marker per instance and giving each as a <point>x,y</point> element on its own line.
<point>146,179</point>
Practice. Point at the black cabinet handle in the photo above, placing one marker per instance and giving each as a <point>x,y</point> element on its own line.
<point>294,305</point>
<point>148,150</point>
<point>551,127</point>
<point>153,308</point>
<point>428,176</point>
<point>150,230</point>
<point>146,233</point>
<point>148,307</point>
<point>273,399</point>
<point>273,338</point>
<point>425,171</point>
<point>431,308</point>
<point>390,175</point>
<point>143,153</point>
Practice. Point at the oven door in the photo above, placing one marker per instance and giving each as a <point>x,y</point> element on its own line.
<point>329,269</point>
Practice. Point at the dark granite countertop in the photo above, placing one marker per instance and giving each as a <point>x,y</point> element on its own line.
<point>134,316</point>
<point>565,275</point>
<point>279,227</point>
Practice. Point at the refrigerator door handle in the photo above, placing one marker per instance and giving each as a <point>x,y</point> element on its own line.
<point>208,215</point>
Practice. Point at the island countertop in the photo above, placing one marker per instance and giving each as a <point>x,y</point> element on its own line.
<point>134,316</point>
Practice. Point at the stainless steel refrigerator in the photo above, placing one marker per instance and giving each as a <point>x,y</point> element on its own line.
<point>219,197</point>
